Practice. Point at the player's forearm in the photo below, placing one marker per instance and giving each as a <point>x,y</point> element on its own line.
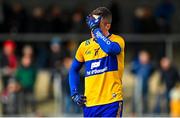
<point>107,45</point>
<point>74,76</point>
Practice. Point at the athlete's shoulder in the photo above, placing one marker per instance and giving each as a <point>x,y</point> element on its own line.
<point>81,50</point>
<point>85,43</point>
<point>118,37</point>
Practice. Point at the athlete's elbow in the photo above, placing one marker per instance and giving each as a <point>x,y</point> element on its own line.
<point>72,70</point>
<point>117,51</point>
<point>108,51</point>
<point>113,50</point>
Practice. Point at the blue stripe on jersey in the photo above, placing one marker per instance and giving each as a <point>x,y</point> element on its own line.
<point>99,66</point>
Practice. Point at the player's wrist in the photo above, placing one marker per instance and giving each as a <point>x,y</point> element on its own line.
<point>74,92</point>
<point>97,32</point>
<point>74,95</point>
<point>94,28</point>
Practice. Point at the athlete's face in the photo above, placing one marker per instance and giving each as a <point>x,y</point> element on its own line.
<point>104,25</point>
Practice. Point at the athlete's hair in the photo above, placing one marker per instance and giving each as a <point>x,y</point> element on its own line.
<point>103,12</point>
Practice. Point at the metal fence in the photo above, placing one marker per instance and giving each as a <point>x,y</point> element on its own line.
<point>169,41</point>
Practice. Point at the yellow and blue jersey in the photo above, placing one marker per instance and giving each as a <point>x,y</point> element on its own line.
<point>103,72</point>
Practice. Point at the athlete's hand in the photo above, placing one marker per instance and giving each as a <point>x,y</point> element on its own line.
<point>92,22</point>
<point>79,99</point>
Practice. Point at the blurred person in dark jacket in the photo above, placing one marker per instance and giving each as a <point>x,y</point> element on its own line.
<point>78,24</point>
<point>164,13</point>
<point>116,16</point>
<point>8,64</point>
<point>5,13</point>
<point>26,78</point>
<point>18,19</point>
<point>58,20</point>
<point>144,21</point>
<point>56,53</point>
<point>169,76</point>
<point>69,106</point>
<point>56,57</point>
<point>142,68</point>
<point>38,23</point>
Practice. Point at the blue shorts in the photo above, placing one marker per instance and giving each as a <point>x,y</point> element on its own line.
<point>108,110</point>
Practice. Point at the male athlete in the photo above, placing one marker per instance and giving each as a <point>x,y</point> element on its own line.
<point>103,57</point>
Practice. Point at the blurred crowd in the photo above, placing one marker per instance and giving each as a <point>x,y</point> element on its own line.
<point>18,73</point>
<point>143,68</point>
<point>54,19</point>
<point>19,76</point>
<point>158,20</point>
<point>15,18</point>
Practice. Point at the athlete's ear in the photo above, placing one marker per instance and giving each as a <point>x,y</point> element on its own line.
<point>108,26</point>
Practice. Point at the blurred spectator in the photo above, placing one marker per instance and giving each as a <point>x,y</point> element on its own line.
<point>55,61</point>
<point>27,51</point>
<point>144,21</point>
<point>5,13</point>
<point>142,68</point>
<point>18,20</point>
<point>56,53</point>
<point>38,23</point>
<point>69,106</point>
<point>65,88</point>
<point>26,78</point>
<point>169,76</point>
<point>58,20</point>
<point>116,16</point>
<point>78,21</point>
<point>8,63</point>
<point>164,13</point>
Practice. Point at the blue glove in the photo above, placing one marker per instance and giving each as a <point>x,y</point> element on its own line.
<point>92,22</point>
<point>79,99</point>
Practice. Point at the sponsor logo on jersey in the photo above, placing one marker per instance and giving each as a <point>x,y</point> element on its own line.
<point>98,66</point>
<point>95,64</point>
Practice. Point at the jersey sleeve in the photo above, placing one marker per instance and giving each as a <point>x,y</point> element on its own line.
<point>79,53</point>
